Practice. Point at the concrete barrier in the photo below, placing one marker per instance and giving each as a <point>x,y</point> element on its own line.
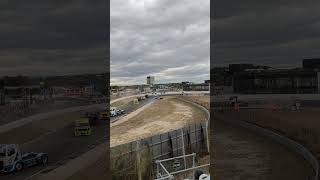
<point>290,144</point>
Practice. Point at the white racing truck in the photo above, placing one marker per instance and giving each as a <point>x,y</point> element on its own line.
<point>12,160</point>
<point>115,112</point>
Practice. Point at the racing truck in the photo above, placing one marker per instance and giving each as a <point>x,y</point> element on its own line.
<point>12,160</point>
<point>82,127</point>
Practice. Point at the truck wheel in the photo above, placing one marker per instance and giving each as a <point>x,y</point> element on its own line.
<point>44,160</point>
<point>18,166</point>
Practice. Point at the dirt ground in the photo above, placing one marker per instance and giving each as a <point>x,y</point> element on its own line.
<point>201,100</point>
<point>162,116</point>
<point>122,102</point>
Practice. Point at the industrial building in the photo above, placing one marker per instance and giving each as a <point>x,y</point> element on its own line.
<point>256,79</point>
<point>196,86</point>
<point>312,64</point>
<point>266,80</point>
<point>276,81</point>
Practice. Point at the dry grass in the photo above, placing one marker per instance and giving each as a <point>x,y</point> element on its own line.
<point>162,116</point>
<point>201,100</point>
<point>122,102</point>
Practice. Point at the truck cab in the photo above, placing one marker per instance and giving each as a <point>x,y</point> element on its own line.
<point>82,127</point>
<point>113,111</point>
<point>8,154</point>
<point>12,160</point>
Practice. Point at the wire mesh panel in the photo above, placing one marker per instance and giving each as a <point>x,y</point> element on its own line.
<point>129,161</point>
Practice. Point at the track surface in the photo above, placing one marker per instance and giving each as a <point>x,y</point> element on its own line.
<point>62,146</point>
<point>240,154</point>
<point>130,107</point>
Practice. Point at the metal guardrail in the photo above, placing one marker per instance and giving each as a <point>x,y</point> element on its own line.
<point>290,144</point>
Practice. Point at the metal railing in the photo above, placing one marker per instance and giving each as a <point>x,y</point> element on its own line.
<point>170,175</point>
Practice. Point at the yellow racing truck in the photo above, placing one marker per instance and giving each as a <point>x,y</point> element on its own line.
<point>82,127</point>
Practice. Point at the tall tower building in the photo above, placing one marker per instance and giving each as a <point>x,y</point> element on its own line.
<point>150,80</point>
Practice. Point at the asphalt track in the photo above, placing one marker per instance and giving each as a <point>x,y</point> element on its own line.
<point>62,146</point>
<point>241,154</point>
<point>130,107</point>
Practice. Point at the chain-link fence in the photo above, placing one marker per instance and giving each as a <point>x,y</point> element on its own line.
<point>136,160</point>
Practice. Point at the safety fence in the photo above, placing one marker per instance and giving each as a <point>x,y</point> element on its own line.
<point>136,160</point>
<point>23,107</point>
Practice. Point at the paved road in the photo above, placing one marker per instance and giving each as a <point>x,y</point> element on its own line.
<point>47,115</point>
<point>61,146</point>
<point>131,107</point>
<point>59,103</point>
<point>241,154</point>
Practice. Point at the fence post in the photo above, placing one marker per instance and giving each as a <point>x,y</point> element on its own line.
<point>183,150</point>
<point>190,142</point>
<point>196,135</point>
<point>207,133</point>
<point>161,145</point>
<point>138,161</point>
<point>177,145</point>
<point>170,146</point>
<point>152,146</point>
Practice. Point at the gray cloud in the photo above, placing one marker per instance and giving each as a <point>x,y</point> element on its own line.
<point>160,37</point>
<point>53,37</point>
<point>277,33</point>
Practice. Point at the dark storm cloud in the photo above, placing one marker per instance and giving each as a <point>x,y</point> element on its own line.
<point>52,37</point>
<point>278,33</point>
<point>159,37</point>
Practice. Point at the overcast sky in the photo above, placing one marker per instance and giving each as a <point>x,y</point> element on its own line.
<point>273,32</point>
<point>53,37</point>
<point>166,38</point>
